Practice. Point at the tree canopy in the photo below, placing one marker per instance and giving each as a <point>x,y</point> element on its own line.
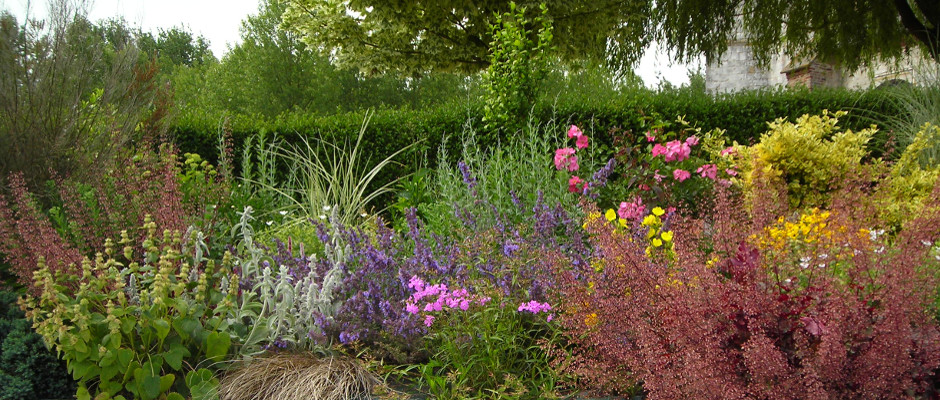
<point>452,35</point>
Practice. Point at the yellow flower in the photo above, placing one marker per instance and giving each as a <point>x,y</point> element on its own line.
<point>657,242</point>
<point>667,236</point>
<point>623,222</point>
<point>650,220</point>
<point>658,211</point>
<point>610,215</point>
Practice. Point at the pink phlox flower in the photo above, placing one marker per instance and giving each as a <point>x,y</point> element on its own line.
<point>535,307</point>
<point>550,317</point>
<point>416,283</point>
<point>582,142</point>
<point>632,210</point>
<point>575,184</point>
<point>644,187</point>
<point>565,159</point>
<point>709,171</point>
<point>435,306</point>
<point>464,304</point>
<point>681,175</point>
<point>691,141</point>
<point>658,150</point>
<point>483,300</point>
<point>428,320</point>
<point>649,137</point>
<point>574,132</point>
<point>411,308</point>
<point>727,151</point>
<point>731,172</point>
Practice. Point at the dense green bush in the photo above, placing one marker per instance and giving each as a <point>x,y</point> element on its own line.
<point>28,370</point>
<point>743,115</point>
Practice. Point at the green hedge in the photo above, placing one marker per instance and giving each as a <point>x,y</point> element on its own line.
<point>743,115</point>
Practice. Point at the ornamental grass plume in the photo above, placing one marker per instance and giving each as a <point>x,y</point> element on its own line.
<point>730,318</point>
<point>290,376</point>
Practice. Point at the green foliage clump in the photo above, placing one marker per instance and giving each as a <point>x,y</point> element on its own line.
<point>517,66</point>
<point>912,178</point>
<point>28,370</point>
<point>809,156</point>
<point>153,325</point>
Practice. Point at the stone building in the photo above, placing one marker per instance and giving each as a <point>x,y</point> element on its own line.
<point>737,70</point>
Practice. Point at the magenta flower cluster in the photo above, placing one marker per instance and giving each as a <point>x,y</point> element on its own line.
<point>536,307</point>
<point>436,298</point>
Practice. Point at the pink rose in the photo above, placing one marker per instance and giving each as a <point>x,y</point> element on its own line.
<point>575,184</point>
<point>650,137</point>
<point>709,171</point>
<point>658,150</point>
<point>632,210</point>
<point>574,132</point>
<point>691,141</point>
<point>681,175</point>
<point>564,158</point>
<point>582,142</point>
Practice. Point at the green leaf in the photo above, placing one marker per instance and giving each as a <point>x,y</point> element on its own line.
<point>174,357</point>
<point>82,393</point>
<point>162,327</point>
<point>148,384</point>
<point>187,327</point>
<point>202,384</point>
<point>124,357</point>
<point>166,382</point>
<point>128,324</point>
<point>217,345</point>
<point>174,396</point>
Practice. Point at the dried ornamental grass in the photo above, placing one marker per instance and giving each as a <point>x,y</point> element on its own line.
<point>289,376</point>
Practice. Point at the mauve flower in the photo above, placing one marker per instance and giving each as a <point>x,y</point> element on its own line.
<point>691,141</point>
<point>728,150</point>
<point>428,320</point>
<point>681,175</point>
<point>650,137</point>
<point>731,172</point>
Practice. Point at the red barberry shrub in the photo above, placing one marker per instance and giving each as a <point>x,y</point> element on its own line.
<point>143,182</point>
<point>814,304</point>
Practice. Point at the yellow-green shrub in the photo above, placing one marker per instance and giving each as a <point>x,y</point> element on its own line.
<point>911,179</point>
<point>810,157</point>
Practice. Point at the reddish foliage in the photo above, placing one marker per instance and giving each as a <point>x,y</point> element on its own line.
<point>144,182</point>
<point>728,319</point>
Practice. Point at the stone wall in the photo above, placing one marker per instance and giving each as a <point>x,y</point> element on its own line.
<point>737,70</point>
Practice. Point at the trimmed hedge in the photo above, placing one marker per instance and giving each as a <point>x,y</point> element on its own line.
<point>743,115</point>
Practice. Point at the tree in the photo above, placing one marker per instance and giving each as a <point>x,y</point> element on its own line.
<point>453,35</point>
<point>409,37</point>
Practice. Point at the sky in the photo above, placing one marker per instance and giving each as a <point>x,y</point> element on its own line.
<point>219,22</point>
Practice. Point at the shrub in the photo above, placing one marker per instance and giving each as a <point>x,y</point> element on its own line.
<point>808,156</point>
<point>829,313</point>
<point>28,370</point>
<point>71,101</point>
<point>141,325</point>
<point>141,183</point>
